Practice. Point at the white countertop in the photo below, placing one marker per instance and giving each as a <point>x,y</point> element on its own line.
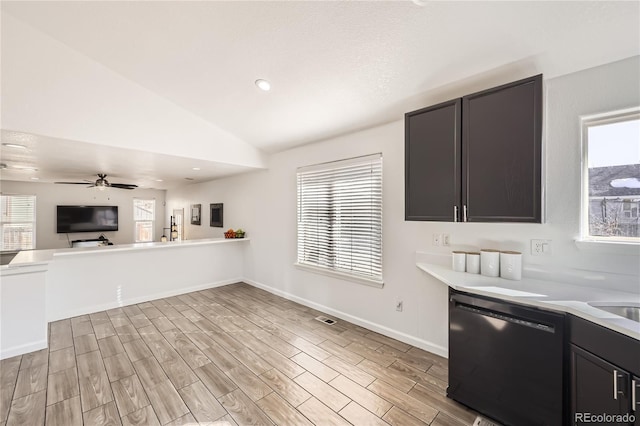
<point>27,258</point>
<point>550,295</point>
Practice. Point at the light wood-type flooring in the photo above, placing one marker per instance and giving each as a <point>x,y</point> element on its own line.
<point>223,356</point>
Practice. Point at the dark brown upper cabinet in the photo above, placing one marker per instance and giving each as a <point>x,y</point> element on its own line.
<point>478,158</point>
<point>432,162</point>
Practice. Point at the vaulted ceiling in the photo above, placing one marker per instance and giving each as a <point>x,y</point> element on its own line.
<point>125,80</point>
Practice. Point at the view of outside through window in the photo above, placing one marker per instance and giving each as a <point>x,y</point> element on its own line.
<point>144,214</point>
<point>18,222</point>
<point>614,178</point>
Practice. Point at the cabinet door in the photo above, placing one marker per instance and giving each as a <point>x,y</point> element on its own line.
<point>432,162</point>
<point>592,386</point>
<point>502,153</point>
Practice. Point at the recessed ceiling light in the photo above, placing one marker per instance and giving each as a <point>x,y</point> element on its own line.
<point>158,180</point>
<point>35,178</point>
<point>14,145</point>
<point>196,168</point>
<point>263,85</point>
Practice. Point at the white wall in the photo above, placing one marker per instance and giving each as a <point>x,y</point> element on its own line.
<point>264,204</point>
<point>49,195</point>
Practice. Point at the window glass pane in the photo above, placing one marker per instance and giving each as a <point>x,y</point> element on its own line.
<point>144,231</point>
<point>18,222</point>
<point>144,214</point>
<point>614,177</point>
<point>144,209</point>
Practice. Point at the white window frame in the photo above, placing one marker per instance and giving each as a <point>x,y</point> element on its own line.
<point>346,271</point>
<point>33,223</point>
<point>612,117</point>
<point>135,221</point>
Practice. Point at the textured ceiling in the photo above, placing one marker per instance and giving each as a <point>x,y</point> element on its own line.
<point>334,66</point>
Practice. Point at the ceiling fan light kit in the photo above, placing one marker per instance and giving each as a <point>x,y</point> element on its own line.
<point>102,183</point>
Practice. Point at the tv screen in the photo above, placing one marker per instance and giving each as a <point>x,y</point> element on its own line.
<point>87,219</point>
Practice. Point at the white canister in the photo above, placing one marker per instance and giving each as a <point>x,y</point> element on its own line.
<point>490,262</point>
<point>511,265</point>
<point>473,262</point>
<point>459,260</point>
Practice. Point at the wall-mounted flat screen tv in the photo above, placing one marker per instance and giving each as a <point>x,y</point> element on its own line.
<point>87,219</point>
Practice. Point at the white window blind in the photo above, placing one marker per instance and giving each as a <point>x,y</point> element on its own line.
<point>18,222</point>
<point>340,217</point>
<point>144,215</point>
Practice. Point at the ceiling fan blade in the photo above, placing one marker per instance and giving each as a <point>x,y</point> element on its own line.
<point>74,183</point>
<point>123,186</point>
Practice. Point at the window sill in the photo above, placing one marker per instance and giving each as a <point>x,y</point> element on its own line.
<point>340,275</point>
<point>614,247</point>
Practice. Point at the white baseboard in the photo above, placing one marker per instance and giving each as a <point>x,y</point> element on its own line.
<point>131,301</point>
<point>398,335</point>
<point>23,349</point>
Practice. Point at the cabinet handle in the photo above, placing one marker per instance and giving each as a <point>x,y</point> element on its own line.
<point>634,403</point>
<point>615,384</point>
<point>464,213</point>
<point>455,213</point>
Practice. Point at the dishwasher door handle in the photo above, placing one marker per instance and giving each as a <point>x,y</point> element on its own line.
<point>504,317</point>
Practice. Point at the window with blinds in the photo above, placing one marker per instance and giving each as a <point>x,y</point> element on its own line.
<point>144,216</point>
<point>340,217</point>
<point>18,222</point>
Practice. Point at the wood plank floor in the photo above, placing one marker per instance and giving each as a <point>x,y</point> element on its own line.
<point>224,356</point>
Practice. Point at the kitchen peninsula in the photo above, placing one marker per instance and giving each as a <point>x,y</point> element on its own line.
<point>41,286</point>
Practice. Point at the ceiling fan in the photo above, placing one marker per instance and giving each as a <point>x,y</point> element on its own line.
<point>102,183</point>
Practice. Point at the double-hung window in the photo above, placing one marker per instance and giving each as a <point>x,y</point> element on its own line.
<point>144,216</point>
<point>18,222</point>
<point>611,176</point>
<point>340,218</point>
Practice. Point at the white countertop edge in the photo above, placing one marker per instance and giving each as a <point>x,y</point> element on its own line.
<point>145,246</point>
<point>545,298</point>
<point>43,257</point>
<point>24,269</point>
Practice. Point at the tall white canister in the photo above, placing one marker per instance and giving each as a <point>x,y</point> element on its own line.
<point>511,265</point>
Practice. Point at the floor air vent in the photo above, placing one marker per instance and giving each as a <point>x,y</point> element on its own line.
<point>481,421</point>
<point>325,320</point>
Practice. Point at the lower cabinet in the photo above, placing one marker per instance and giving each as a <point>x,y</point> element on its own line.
<point>604,376</point>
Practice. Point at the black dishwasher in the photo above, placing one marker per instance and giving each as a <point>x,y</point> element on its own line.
<point>506,360</point>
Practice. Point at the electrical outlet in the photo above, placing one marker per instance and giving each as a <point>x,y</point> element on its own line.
<point>399,305</point>
<point>541,247</point>
<point>437,241</point>
<point>446,240</point>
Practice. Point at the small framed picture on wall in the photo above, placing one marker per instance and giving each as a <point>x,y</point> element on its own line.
<point>216,215</point>
<point>196,211</point>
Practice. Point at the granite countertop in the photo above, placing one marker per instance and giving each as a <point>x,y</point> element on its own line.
<point>556,296</point>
